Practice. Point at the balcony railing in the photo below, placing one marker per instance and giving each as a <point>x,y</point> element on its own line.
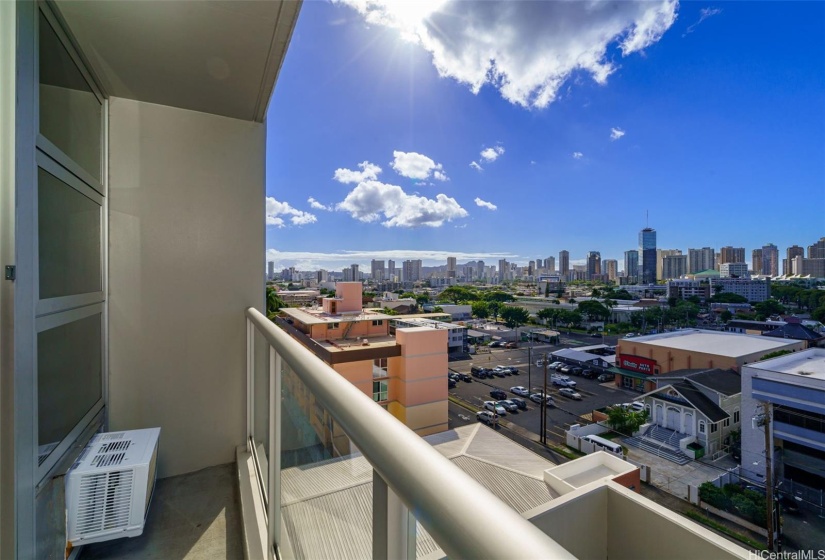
<point>301,410</point>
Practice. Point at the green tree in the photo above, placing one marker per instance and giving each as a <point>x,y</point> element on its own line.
<point>765,309</point>
<point>547,289</point>
<point>514,316</point>
<point>774,354</point>
<point>594,310</point>
<point>499,296</point>
<point>481,309</point>
<point>273,303</point>
<point>495,309</point>
<point>422,299</point>
<point>726,315</point>
<point>727,297</point>
<point>389,311</point>
<point>458,295</point>
<point>818,314</point>
<point>548,314</point>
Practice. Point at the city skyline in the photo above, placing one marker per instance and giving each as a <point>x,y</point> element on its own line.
<point>418,154</point>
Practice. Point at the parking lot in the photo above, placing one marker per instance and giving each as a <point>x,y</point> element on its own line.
<point>566,411</point>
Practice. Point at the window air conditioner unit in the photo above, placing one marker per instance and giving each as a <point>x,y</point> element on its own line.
<point>110,486</point>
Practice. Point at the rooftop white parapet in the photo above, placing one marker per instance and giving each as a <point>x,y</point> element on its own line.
<point>595,467</point>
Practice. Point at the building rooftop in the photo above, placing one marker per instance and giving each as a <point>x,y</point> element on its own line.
<point>334,497</point>
<point>720,343</point>
<point>344,345</point>
<point>317,316</point>
<point>795,331</point>
<point>807,363</point>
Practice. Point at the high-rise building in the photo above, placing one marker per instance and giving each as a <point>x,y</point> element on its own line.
<point>674,266</point>
<point>531,268</point>
<point>660,256</point>
<point>611,267</point>
<point>770,260</point>
<point>734,270</point>
<point>701,259</point>
<point>322,275</point>
<point>808,267</point>
<point>792,252</point>
<point>647,256</point>
<point>550,264</point>
<point>411,270</point>
<point>481,271</point>
<point>731,254</point>
<point>817,250</point>
<point>391,271</point>
<point>503,270</point>
<point>564,263</point>
<point>540,263</point>
<point>377,270</point>
<point>351,273</point>
<point>270,270</point>
<point>451,267</point>
<point>631,266</point>
<point>594,264</point>
<point>756,261</point>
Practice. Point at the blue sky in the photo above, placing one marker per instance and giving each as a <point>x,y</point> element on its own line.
<point>709,116</point>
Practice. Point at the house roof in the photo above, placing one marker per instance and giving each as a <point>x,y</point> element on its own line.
<point>571,354</point>
<point>795,331</point>
<point>725,381</point>
<point>697,400</point>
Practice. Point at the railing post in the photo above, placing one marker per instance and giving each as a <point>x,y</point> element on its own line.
<point>274,486</point>
<point>393,528</point>
<point>250,382</point>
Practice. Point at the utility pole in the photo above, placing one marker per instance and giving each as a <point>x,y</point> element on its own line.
<point>770,505</point>
<point>544,404</point>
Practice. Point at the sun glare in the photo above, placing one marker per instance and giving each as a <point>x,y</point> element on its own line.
<point>409,14</point>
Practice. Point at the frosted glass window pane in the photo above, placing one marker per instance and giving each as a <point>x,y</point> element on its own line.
<point>69,229</point>
<point>70,114</point>
<point>69,359</point>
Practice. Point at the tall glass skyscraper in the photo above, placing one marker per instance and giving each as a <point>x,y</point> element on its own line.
<point>647,256</point>
<point>631,265</point>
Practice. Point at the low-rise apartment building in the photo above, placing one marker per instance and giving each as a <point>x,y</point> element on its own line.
<point>754,290</point>
<point>403,370</point>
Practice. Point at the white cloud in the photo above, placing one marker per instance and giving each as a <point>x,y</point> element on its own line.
<point>317,205</point>
<point>276,211</point>
<point>371,201</point>
<point>476,166</point>
<point>416,166</point>
<point>526,50</point>
<point>616,133</point>
<point>485,204</point>
<point>704,14</point>
<point>532,162</point>
<point>491,154</point>
<point>369,171</point>
<point>578,155</point>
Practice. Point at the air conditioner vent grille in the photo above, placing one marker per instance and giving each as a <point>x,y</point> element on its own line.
<point>112,435</point>
<point>104,501</point>
<point>121,445</point>
<point>108,460</point>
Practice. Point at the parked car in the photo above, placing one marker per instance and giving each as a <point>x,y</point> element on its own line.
<point>564,383</point>
<point>520,391</point>
<point>589,374</point>
<point>521,403</point>
<point>538,397</point>
<point>496,344</point>
<point>565,369</point>
<point>511,345</point>
<point>606,377</point>
<point>493,406</point>
<point>576,371</point>
<point>540,363</point>
<point>451,383</point>
<point>596,335</point>
<point>498,394</point>
<point>637,406</point>
<point>476,369</point>
<point>503,370</point>
<point>487,417</point>
<point>513,370</point>
<point>453,376</point>
<point>560,366</point>
<point>570,393</point>
<point>509,406</point>
<point>466,378</point>
<point>554,365</point>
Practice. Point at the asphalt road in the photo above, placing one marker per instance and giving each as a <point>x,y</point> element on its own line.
<point>566,411</point>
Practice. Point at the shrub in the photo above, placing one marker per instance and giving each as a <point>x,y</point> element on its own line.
<point>714,496</point>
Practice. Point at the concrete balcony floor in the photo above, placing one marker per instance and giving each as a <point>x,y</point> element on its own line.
<point>192,516</point>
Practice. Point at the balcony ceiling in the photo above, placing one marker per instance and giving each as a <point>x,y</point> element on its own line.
<point>220,57</point>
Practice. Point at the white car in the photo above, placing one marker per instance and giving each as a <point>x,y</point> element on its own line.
<point>493,406</point>
<point>554,365</point>
<point>487,416</point>
<point>570,393</point>
<point>520,391</point>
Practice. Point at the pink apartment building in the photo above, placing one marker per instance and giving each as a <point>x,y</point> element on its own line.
<point>405,373</point>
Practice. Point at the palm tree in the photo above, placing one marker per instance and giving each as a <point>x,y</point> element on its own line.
<point>273,303</point>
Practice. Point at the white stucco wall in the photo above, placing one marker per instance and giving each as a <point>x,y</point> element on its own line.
<point>186,253</point>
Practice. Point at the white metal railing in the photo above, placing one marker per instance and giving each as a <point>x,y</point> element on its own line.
<point>464,518</point>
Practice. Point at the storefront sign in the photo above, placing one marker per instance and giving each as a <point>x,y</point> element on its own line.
<point>638,364</point>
